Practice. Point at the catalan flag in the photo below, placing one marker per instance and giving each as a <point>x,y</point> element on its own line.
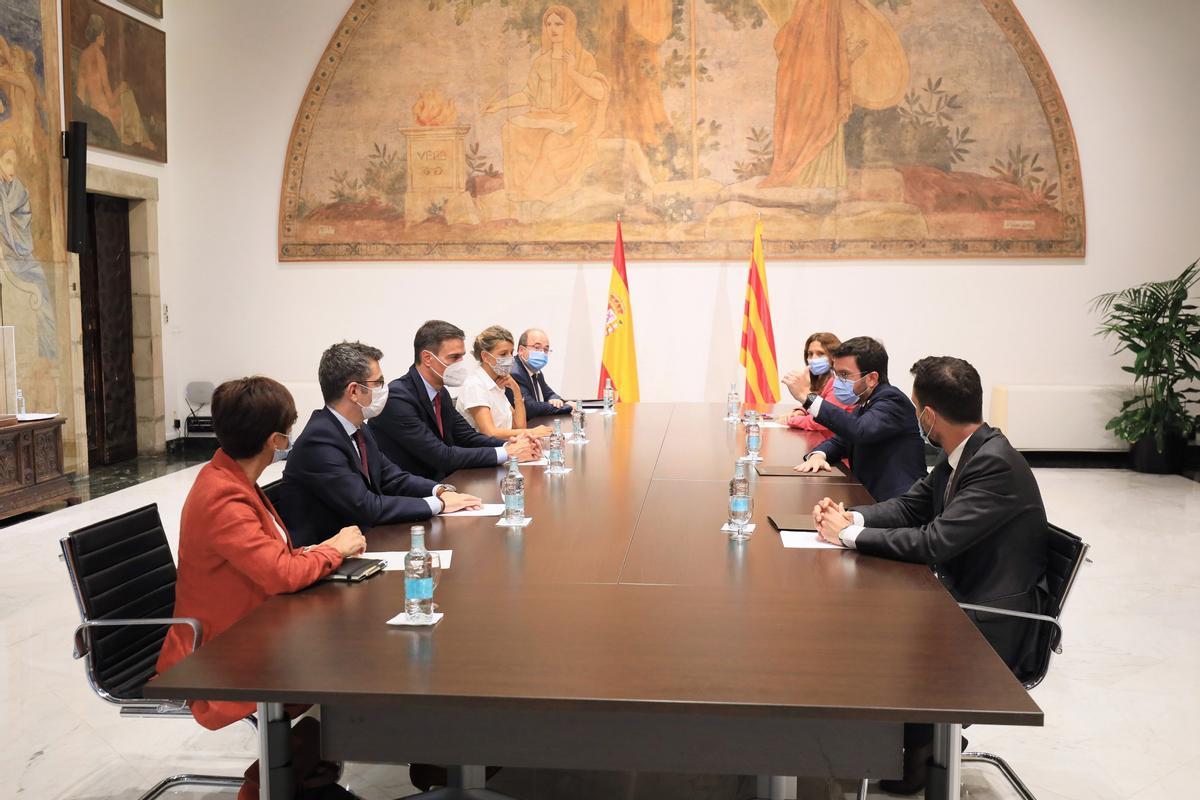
<point>758,338</point>
<point>619,361</point>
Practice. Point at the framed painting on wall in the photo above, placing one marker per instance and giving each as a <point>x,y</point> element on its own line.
<point>152,7</point>
<point>115,79</point>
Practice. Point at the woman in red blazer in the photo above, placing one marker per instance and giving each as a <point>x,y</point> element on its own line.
<point>816,378</point>
<point>234,551</point>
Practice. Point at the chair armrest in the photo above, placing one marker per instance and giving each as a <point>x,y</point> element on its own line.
<point>82,647</point>
<point>1004,612</point>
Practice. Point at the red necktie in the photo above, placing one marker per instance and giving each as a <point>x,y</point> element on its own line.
<point>361,441</point>
<point>437,412</point>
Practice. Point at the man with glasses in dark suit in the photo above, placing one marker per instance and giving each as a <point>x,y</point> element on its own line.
<point>533,353</point>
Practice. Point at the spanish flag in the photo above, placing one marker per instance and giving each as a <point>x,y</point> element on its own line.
<point>619,361</point>
<point>758,338</point>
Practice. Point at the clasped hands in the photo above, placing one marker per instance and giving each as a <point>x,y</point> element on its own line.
<point>525,447</point>
<point>831,519</point>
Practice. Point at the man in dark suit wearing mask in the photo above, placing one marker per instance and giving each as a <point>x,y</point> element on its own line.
<point>533,353</point>
<point>879,434</point>
<point>336,475</point>
<point>977,520</point>
<point>420,429</point>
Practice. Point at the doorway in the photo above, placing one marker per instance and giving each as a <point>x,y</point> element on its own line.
<point>106,311</point>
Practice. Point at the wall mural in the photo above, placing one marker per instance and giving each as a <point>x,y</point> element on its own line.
<point>33,269</point>
<point>480,129</point>
<point>116,73</point>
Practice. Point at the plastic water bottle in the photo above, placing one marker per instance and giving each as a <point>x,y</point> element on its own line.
<point>418,578</point>
<point>609,395</point>
<point>556,459</point>
<point>733,404</point>
<point>753,437</point>
<point>20,402</point>
<point>578,434</point>
<point>741,504</point>
<point>512,489</point>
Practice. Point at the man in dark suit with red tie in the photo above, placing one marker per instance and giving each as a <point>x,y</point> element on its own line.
<point>419,428</point>
<point>336,475</point>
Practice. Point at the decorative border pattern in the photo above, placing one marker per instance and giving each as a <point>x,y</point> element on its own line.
<point>1072,245</point>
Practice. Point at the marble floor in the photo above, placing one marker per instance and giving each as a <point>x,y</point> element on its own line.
<point>1120,702</point>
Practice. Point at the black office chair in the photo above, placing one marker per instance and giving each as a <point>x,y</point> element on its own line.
<point>1067,554</point>
<point>271,490</point>
<point>124,581</point>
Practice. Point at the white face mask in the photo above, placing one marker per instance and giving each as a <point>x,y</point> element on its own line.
<point>379,396</point>
<point>502,365</point>
<point>455,374</point>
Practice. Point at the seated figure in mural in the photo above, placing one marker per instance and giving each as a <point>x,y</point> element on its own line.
<point>16,248</point>
<point>549,147</point>
<point>833,55</point>
<point>95,92</point>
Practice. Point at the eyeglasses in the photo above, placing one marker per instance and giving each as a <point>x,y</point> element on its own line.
<point>844,375</point>
<point>539,348</point>
<point>373,384</point>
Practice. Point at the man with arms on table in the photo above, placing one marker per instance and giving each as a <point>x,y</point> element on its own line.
<point>533,352</point>
<point>878,434</point>
<point>419,427</point>
<point>977,520</point>
<point>336,475</point>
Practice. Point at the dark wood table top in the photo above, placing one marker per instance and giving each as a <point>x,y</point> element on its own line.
<point>624,593</point>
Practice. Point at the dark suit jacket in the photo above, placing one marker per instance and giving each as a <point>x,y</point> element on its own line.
<point>534,407</point>
<point>987,543</point>
<point>880,438</point>
<point>408,434</point>
<point>324,489</point>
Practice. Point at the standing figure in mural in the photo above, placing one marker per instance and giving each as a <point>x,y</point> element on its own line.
<point>94,91</point>
<point>630,35</point>
<point>548,148</point>
<point>20,95</point>
<point>16,248</point>
<point>833,55</point>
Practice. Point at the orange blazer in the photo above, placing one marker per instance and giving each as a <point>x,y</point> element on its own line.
<point>232,557</point>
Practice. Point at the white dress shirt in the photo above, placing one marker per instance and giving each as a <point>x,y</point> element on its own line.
<point>501,453</point>
<point>480,390</point>
<point>850,533</point>
<point>435,503</point>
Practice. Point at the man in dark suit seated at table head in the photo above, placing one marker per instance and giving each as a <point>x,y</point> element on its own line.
<point>879,434</point>
<point>336,475</point>
<point>419,427</point>
<point>977,520</point>
<point>533,351</point>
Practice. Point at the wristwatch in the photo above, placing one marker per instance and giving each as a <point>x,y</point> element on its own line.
<point>442,488</point>
<point>808,401</point>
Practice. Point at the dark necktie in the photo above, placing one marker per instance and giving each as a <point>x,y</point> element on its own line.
<point>437,413</point>
<point>537,387</point>
<point>361,441</point>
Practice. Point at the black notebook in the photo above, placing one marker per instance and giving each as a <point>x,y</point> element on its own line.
<point>792,522</point>
<point>788,471</point>
<point>354,570</point>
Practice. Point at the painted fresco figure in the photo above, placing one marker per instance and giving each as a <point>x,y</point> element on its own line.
<point>94,91</point>
<point>16,238</point>
<point>549,147</point>
<point>630,33</point>
<point>833,55</point>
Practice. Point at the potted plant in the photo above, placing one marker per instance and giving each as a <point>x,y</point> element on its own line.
<point>1156,323</point>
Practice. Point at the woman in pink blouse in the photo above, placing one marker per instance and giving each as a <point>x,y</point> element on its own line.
<point>817,378</point>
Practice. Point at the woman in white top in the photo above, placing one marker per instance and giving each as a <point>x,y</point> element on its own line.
<point>482,399</point>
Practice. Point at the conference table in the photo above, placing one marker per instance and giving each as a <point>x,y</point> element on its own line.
<point>623,630</point>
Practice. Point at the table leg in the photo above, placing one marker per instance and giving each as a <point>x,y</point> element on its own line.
<point>945,773</point>
<point>467,776</point>
<point>275,780</point>
<point>776,787</point>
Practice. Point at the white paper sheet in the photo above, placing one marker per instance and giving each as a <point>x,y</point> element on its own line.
<point>503,523</point>
<point>395,558</point>
<point>729,527</point>
<point>488,510</point>
<point>541,462</point>
<point>403,620</point>
<point>806,540</point>
<point>36,417</point>
<point>765,425</point>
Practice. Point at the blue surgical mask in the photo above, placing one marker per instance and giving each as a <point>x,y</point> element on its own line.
<point>843,390</point>
<point>925,433</point>
<point>280,455</point>
<point>818,366</point>
<point>537,360</point>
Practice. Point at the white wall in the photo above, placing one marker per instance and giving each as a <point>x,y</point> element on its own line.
<point>237,71</point>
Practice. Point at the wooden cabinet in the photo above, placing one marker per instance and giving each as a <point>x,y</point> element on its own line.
<point>31,467</point>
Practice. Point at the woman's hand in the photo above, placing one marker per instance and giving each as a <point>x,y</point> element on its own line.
<point>348,541</point>
<point>540,431</point>
<point>510,383</point>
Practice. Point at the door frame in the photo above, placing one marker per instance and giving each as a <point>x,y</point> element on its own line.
<point>149,394</point>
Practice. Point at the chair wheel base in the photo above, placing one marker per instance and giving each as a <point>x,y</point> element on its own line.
<point>175,781</point>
